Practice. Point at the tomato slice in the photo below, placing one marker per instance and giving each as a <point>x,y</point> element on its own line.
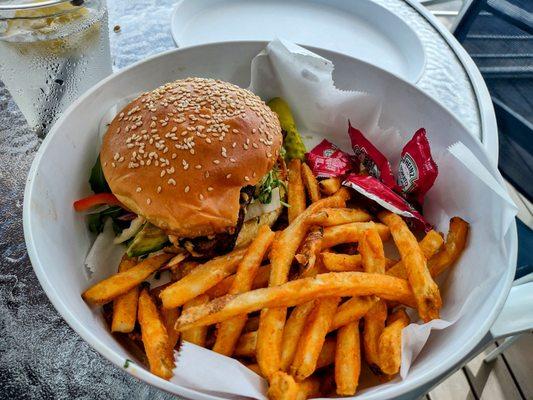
<point>96,200</point>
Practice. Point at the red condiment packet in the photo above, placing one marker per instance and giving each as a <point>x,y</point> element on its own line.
<point>327,161</point>
<point>377,191</point>
<point>417,170</point>
<point>371,158</point>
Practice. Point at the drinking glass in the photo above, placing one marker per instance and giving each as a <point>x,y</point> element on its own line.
<point>51,52</point>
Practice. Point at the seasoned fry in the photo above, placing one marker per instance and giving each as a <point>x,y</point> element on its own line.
<point>112,287</point>
<point>373,327</point>
<point>390,342</point>
<point>352,310</point>
<point>348,359</point>
<point>341,262</point>
<point>297,292</point>
<point>350,233</point>
<point>182,269</point>
<point>327,353</point>
<point>198,334</point>
<point>282,386</point>
<point>282,253</point>
<point>310,183</point>
<point>169,317</point>
<point>228,332</point>
<point>340,216</point>
<point>201,279</point>
<point>372,253</point>
<point>329,186</point>
<point>246,344</point>
<point>125,306</point>
<point>296,194</point>
<point>309,250</point>
<point>313,337</point>
<point>425,290</point>
<point>454,246</point>
<point>155,337</point>
<point>252,324</point>
<point>429,245</point>
<point>222,288</point>
<point>293,331</point>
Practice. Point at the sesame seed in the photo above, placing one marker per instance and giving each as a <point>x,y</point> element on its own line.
<point>159,189</point>
<point>246,179</point>
<point>187,188</point>
<point>113,164</point>
<point>206,174</point>
<point>201,196</point>
<point>233,160</point>
<point>148,201</point>
<point>162,174</point>
<point>171,182</point>
<point>210,189</point>
<point>216,162</point>
<point>138,190</point>
<point>228,176</point>
<point>198,166</point>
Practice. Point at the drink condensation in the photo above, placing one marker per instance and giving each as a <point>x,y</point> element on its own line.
<point>50,56</point>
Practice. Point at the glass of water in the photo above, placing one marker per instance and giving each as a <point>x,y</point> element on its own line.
<point>51,51</point>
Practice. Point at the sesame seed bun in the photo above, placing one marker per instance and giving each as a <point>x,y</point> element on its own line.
<point>179,155</point>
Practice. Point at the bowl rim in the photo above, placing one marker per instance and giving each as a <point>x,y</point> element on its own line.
<point>401,388</point>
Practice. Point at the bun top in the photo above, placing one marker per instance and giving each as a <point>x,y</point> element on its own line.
<point>179,155</point>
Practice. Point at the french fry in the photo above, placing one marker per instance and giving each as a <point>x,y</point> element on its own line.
<point>155,337</point>
<point>252,324</point>
<point>343,193</point>
<point>296,194</point>
<point>309,250</point>
<point>313,337</point>
<point>282,386</point>
<point>327,353</point>
<point>222,288</point>
<point>169,318</point>
<point>112,287</point>
<point>228,332</point>
<point>374,323</point>
<point>329,186</point>
<point>125,305</point>
<point>390,342</point>
<point>350,233</point>
<point>352,310</point>
<point>310,183</point>
<point>198,334</point>
<point>429,245</point>
<point>297,292</point>
<point>341,216</point>
<point>282,253</point>
<point>341,262</point>
<point>182,269</point>
<point>348,359</point>
<point>201,279</point>
<point>292,332</point>
<point>246,344</point>
<point>373,261</point>
<point>453,247</point>
<point>372,253</point>
<point>425,290</point>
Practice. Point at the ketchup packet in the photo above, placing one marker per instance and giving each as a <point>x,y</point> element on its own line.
<point>417,170</point>
<point>371,158</point>
<point>377,191</point>
<point>327,161</point>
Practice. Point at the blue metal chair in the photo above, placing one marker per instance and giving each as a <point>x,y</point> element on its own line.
<point>498,35</point>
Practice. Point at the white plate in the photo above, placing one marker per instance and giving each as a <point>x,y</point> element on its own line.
<point>361,28</point>
<point>57,238</point>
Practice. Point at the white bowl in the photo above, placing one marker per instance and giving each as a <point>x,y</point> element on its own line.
<point>57,238</point>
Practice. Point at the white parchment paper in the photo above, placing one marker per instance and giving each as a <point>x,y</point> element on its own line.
<point>464,188</point>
